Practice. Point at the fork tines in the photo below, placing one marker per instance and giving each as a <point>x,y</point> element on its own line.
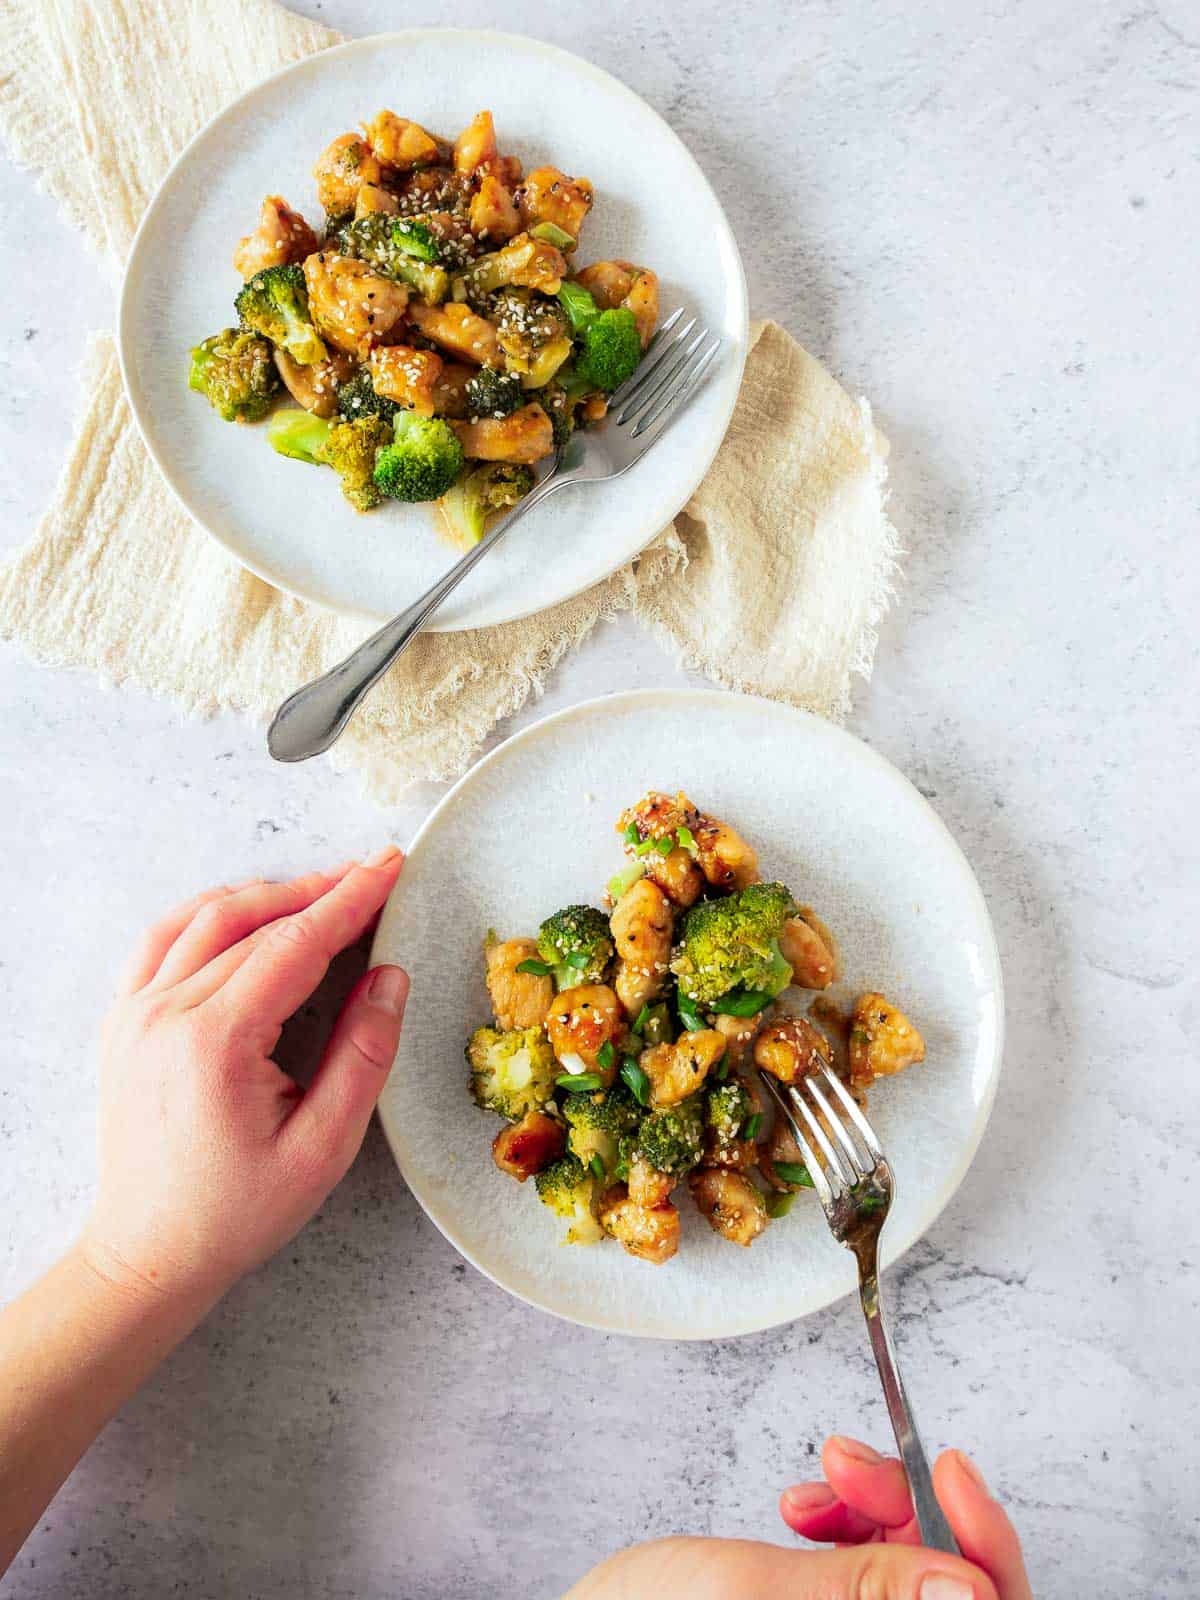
<point>842,1168</point>
<point>673,365</point>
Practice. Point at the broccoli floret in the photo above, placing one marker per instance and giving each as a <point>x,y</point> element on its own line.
<point>571,1191</point>
<point>511,1073</point>
<point>357,398</point>
<point>298,434</point>
<point>274,303</point>
<point>734,943</point>
<point>577,943</point>
<point>532,332</point>
<point>351,450</point>
<point>598,1123</point>
<point>399,248</point>
<point>486,490</point>
<point>727,1105</point>
<point>422,462</point>
<point>236,374</point>
<point>672,1140</point>
<point>492,393</point>
<point>560,408</point>
<point>611,351</point>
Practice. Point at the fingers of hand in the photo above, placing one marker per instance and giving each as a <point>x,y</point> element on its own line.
<point>872,1484</point>
<point>328,1125</point>
<point>815,1512</point>
<point>980,1524</point>
<point>221,925</point>
<point>155,943</point>
<point>288,963</point>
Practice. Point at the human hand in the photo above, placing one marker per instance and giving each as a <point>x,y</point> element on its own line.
<point>865,1508</point>
<point>210,1156</point>
<point>864,1499</point>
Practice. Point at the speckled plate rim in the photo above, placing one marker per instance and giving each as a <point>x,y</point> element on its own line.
<point>881,770</point>
<point>127,301</point>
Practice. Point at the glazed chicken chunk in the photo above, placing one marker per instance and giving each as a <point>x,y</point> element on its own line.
<point>354,307</point>
<point>649,1232</point>
<point>281,237</point>
<point>882,1040</point>
<point>734,1207</point>
<point>519,999</point>
<point>642,924</point>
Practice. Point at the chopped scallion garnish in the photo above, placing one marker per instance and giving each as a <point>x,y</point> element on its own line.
<point>793,1172</point>
<point>688,1015</point>
<point>538,968</point>
<point>687,839</point>
<point>642,1018</point>
<point>576,959</point>
<point>631,834</point>
<point>664,846</point>
<point>605,1055</point>
<point>597,1166</point>
<point>778,1205</point>
<point>577,1082</point>
<point>747,1003</point>
<point>753,1124</point>
<point>721,1070</point>
<point>637,1081</point>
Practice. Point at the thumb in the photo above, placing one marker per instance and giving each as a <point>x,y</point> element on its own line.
<point>334,1113</point>
<point>886,1572</point>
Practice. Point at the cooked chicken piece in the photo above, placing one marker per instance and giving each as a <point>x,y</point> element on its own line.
<point>458,329</point>
<point>737,1033</point>
<point>620,283</point>
<point>738,1154</point>
<point>409,377</point>
<point>401,144</point>
<point>642,925</point>
<point>450,391</point>
<point>734,1207</point>
<point>353,306</point>
<point>882,1040</point>
<point>580,1022</point>
<point>523,436</point>
<point>677,875</point>
<point>677,1070</point>
<point>519,999</point>
<point>660,816</point>
<point>726,860</point>
<point>281,237</point>
<point>648,1232</point>
<point>475,144</point>
<point>372,197</point>
<point>523,1148</point>
<point>813,963</point>
<point>835,1025</point>
<point>528,263</point>
<point>315,387</point>
<point>549,195</point>
<point>493,212</point>
<point>790,1048</point>
<point>342,170</point>
<point>648,1186</point>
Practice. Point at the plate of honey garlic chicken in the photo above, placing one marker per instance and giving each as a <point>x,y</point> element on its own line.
<point>608,1149</point>
<point>404,273</point>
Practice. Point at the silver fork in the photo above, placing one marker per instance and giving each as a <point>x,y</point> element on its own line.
<point>855,1186</point>
<point>310,720</point>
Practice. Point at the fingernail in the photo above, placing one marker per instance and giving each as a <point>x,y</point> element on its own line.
<point>383,857</point>
<point>944,1586</point>
<point>971,1470</point>
<point>388,990</point>
<point>802,1497</point>
<point>857,1450</point>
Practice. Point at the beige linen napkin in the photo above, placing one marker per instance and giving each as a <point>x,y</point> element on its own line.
<point>772,580</point>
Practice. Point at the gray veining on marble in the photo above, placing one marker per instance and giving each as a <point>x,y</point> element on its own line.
<point>984,217</point>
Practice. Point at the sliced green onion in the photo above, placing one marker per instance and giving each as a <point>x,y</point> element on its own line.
<point>637,1082</point>
<point>577,959</point>
<point>746,1004</point>
<point>578,1082</point>
<point>753,1124</point>
<point>631,834</point>
<point>721,1070</point>
<point>645,847</point>
<point>605,1055</point>
<point>553,234</point>
<point>538,968</point>
<point>642,1018</point>
<point>688,1015</point>
<point>793,1172</point>
<point>687,839</point>
<point>625,879</point>
<point>664,846</point>
<point>597,1167</point>
<point>778,1205</point>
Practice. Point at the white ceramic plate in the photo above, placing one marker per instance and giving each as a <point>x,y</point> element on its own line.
<point>531,829</point>
<point>288,522</point>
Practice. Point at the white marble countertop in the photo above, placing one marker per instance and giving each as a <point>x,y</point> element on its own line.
<point>984,218</point>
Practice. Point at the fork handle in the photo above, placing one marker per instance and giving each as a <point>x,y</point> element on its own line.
<point>315,716</point>
<point>931,1519</point>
